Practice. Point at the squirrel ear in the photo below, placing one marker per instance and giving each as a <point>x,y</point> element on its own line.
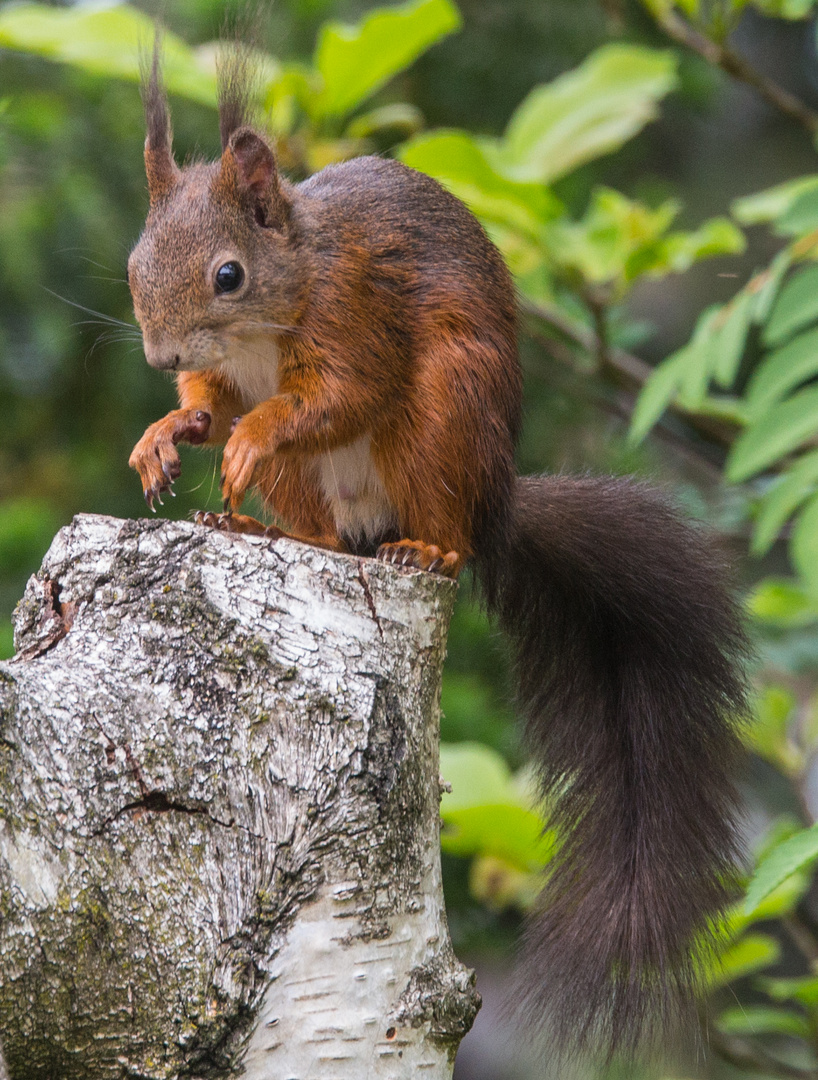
<point>257,177</point>
<point>161,169</point>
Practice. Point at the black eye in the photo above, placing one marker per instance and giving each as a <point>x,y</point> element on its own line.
<point>229,277</point>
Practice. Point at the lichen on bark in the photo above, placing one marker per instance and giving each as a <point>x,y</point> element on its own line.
<point>219,814</point>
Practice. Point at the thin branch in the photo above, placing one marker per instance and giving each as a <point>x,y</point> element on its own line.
<point>621,367</point>
<point>735,65</point>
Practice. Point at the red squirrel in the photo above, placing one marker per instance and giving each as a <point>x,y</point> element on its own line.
<point>351,340</point>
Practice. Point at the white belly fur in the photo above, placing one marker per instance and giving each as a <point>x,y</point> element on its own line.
<point>354,491</point>
<point>252,368</point>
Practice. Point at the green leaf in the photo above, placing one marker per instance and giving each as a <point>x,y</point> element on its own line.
<point>731,337</point>
<point>773,203</point>
<point>399,116</point>
<point>477,775</point>
<point>751,954</point>
<point>783,500</point>
<point>761,1020</point>
<point>457,160</point>
<point>804,546</point>
<point>769,733</point>
<point>793,854</point>
<point>803,989</point>
<point>775,434</point>
<point>718,236</point>
<point>485,812</point>
<point>355,61</point>
<point>801,217</point>
<point>657,393</point>
<point>701,358</point>
<point>781,371</point>
<point>502,830</point>
<point>770,283</point>
<point>107,41</point>
<point>781,602</point>
<point>795,308</point>
<point>585,113</point>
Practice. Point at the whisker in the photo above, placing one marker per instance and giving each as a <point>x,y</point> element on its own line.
<point>280,327</point>
<point>90,311</point>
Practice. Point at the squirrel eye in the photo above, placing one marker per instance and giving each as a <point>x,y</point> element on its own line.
<point>229,277</point>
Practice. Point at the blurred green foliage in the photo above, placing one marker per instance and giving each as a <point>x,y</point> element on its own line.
<point>539,117</point>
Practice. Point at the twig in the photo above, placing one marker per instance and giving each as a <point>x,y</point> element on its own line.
<point>734,64</point>
<point>623,368</point>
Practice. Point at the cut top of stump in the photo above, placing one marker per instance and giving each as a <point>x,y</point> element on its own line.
<point>204,738</point>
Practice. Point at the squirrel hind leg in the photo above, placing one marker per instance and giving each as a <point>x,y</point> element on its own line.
<point>420,556</point>
<point>243,525</point>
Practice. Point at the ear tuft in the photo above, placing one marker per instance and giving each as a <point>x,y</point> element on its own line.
<point>257,176</point>
<point>161,169</point>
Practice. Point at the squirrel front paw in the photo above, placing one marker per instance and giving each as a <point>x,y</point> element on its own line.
<point>155,456</point>
<point>244,451</point>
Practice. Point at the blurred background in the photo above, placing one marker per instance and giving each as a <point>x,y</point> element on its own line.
<point>646,168</point>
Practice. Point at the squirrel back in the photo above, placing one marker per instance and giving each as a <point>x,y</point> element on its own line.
<point>352,341</point>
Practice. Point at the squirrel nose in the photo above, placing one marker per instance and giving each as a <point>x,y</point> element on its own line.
<point>163,361</point>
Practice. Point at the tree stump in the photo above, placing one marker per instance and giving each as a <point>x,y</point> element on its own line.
<point>219,800</point>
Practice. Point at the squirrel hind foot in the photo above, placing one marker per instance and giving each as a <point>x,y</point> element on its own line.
<point>419,556</point>
<point>236,523</point>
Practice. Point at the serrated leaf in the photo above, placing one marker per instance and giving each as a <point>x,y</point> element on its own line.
<point>783,500</point>
<point>457,160</point>
<point>760,1020</point>
<point>804,546</point>
<point>107,41</point>
<point>795,853</point>
<point>751,954</point>
<point>774,435</point>
<point>795,308</point>
<point>585,113</point>
<point>355,61</point>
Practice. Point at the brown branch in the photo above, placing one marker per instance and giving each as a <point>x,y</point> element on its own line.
<point>621,367</point>
<point>735,65</point>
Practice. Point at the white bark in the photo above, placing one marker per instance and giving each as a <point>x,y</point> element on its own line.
<point>219,814</point>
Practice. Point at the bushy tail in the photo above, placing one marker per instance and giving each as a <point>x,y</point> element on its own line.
<point>628,658</point>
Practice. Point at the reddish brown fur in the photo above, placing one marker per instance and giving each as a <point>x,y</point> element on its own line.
<point>370,353</point>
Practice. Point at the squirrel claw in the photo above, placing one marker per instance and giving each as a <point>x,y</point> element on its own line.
<point>414,554</point>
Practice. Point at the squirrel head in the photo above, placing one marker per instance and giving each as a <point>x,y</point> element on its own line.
<point>220,257</point>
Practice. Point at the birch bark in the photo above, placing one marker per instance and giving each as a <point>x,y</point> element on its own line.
<point>219,814</point>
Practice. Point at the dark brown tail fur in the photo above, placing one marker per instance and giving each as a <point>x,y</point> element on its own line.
<point>627,643</point>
